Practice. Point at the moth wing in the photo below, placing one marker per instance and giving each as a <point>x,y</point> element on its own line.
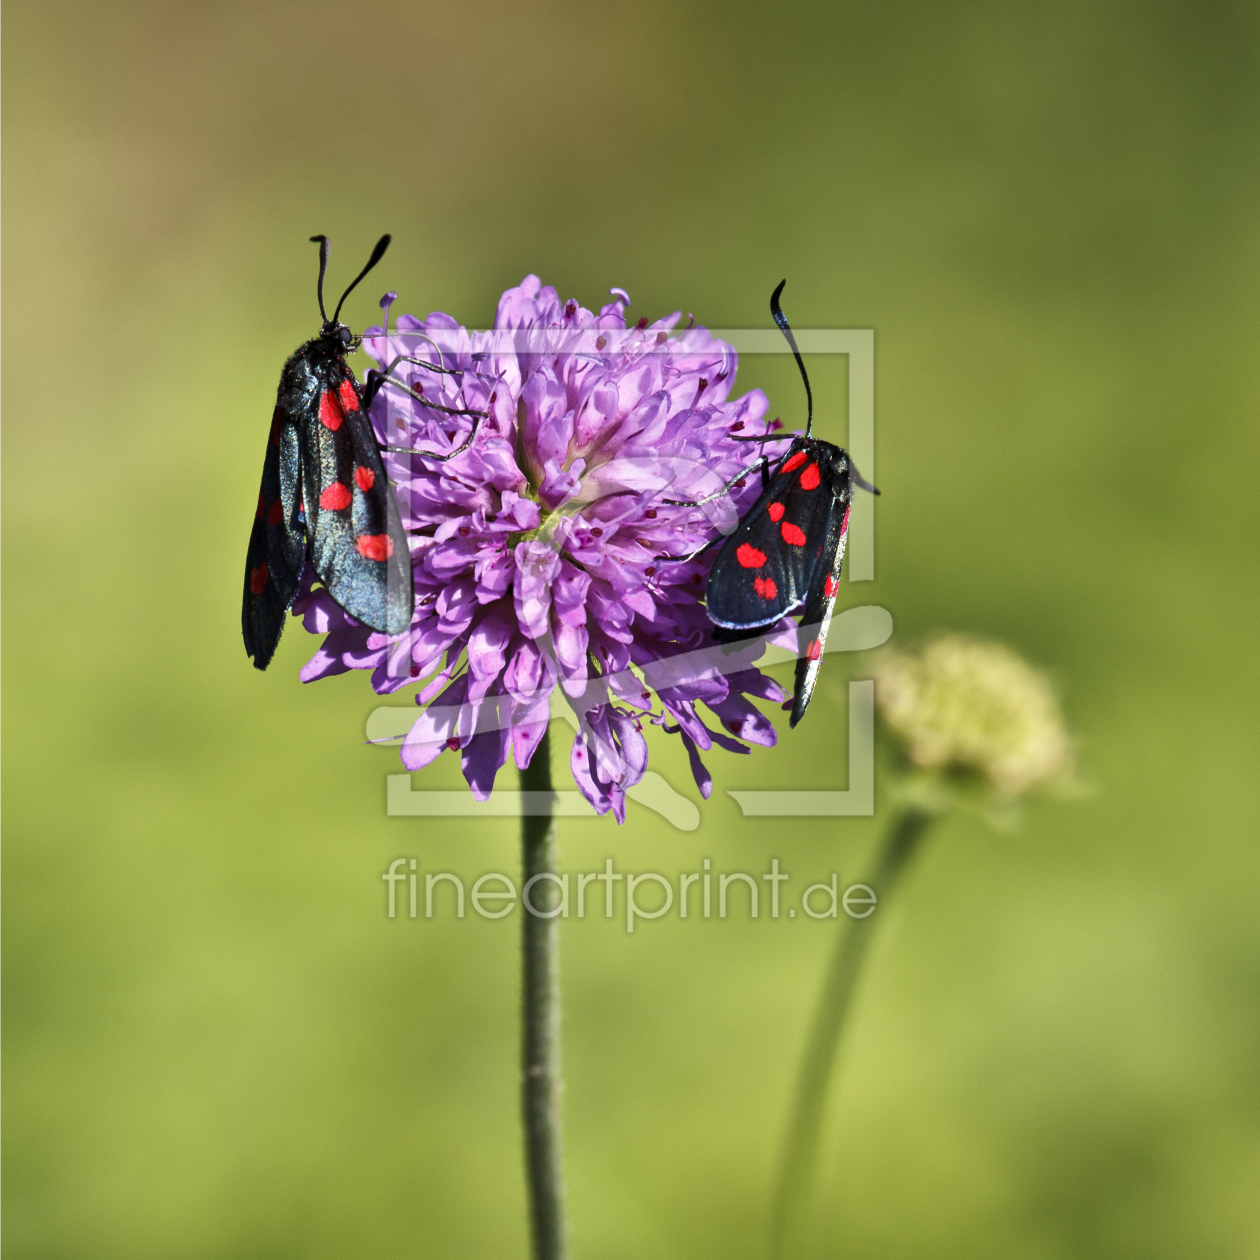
<point>358,545</point>
<point>816,615</point>
<point>767,567</point>
<point>277,543</point>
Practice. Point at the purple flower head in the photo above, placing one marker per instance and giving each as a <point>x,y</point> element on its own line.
<point>549,565</point>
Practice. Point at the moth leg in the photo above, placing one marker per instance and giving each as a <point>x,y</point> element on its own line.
<point>376,379</point>
<point>419,336</point>
<point>459,450</point>
<point>372,386</point>
<point>767,436</point>
<point>698,552</point>
<point>763,463</point>
<point>424,363</point>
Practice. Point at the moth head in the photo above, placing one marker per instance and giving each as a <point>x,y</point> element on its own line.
<point>342,339</point>
<point>839,461</point>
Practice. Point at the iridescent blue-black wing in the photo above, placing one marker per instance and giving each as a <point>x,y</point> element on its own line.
<point>816,615</point>
<point>770,564</point>
<point>277,542</point>
<point>357,543</point>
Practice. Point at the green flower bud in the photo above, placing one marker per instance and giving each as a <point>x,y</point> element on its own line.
<point>962,703</point>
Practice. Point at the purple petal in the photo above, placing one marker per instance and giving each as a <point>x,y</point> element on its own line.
<point>483,756</point>
<point>529,723</point>
<point>536,565</point>
<point>487,651</point>
<point>580,764</point>
<point>704,780</point>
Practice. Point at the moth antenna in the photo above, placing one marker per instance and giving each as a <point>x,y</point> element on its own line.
<point>779,318</point>
<point>377,254</point>
<point>325,246</point>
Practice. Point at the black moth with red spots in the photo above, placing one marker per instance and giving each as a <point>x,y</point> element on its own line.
<point>787,552</point>
<point>325,495</point>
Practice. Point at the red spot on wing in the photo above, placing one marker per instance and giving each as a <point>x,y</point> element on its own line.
<point>795,462</point>
<point>330,415</point>
<point>374,546</point>
<point>258,579</point>
<point>844,524</point>
<point>749,557</point>
<point>776,511</point>
<point>276,514</point>
<point>830,586</point>
<point>349,398</point>
<point>765,587</point>
<point>814,651</point>
<point>792,534</point>
<point>809,478</point>
<point>335,497</point>
<point>364,478</point>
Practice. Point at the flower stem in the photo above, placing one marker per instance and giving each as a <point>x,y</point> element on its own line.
<point>540,1011</point>
<point>790,1219</point>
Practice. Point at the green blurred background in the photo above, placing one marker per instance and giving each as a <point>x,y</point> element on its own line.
<point>216,1044</point>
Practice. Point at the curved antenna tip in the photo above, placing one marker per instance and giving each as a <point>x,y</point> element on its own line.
<point>325,247</point>
<point>779,318</point>
<point>378,253</point>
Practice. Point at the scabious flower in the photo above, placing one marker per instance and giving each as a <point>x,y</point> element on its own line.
<point>547,558</point>
<point>959,702</point>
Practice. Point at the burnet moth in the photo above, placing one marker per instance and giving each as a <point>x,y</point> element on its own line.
<point>787,552</point>
<point>325,494</point>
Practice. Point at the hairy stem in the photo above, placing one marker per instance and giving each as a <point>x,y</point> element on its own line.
<point>540,1011</point>
<point>790,1219</point>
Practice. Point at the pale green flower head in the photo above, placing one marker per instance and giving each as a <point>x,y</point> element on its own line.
<point>958,703</point>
